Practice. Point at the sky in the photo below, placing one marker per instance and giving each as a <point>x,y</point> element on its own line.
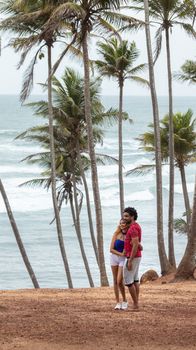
<point>182,48</point>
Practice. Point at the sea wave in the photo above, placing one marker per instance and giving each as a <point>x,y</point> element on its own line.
<point>8,131</point>
<point>19,169</point>
<point>112,200</point>
<point>23,148</point>
<point>178,188</point>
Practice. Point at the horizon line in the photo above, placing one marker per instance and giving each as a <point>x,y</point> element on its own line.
<point>40,94</point>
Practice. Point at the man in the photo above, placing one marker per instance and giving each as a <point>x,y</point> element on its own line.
<point>133,255</point>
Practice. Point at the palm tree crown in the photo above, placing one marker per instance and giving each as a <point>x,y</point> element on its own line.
<point>184,138</point>
<point>188,72</point>
<point>118,58</point>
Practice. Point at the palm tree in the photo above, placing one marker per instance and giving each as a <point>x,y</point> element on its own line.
<point>28,19</point>
<point>188,72</point>
<point>70,142</point>
<point>85,18</point>
<point>118,59</point>
<point>165,265</point>
<point>184,146</point>
<point>167,14</point>
<point>18,237</point>
<point>188,262</point>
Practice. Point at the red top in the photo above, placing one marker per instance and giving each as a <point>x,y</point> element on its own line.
<point>133,231</point>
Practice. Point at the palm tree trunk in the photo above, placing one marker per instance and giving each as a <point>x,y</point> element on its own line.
<point>79,234</point>
<point>188,262</point>
<point>94,173</point>
<point>171,157</point>
<point>53,173</point>
<point>185,194</point>
<point>18,238</point>
<point>164,263</point>
<point>120,146</point>
<point>90,220</point>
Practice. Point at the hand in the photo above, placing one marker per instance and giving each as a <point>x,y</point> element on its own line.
<point>129,265</point>
<point>123,253</point>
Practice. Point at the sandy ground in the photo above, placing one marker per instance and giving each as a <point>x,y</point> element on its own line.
<point>84,319</point>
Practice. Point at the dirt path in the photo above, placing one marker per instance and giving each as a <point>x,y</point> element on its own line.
<point>85,319</point>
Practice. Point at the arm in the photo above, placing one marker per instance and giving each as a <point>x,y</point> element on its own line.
<point>112,250</point>
<point>135,244</point>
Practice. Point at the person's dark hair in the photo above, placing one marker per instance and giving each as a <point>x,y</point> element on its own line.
<point>132,212</point>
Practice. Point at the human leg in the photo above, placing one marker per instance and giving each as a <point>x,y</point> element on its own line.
<point>131,281</point>
<point>120,283</point>
<point>137,288</point>
<point>133,293</point>
<point>115,274</point>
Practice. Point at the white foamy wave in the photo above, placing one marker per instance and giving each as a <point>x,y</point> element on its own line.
<point>140,196</point>
<point>128,145</point>
<point>111,198</point>
<point>13,147</point>
<point>8,131</point>
<point>25,199</point>
<point>19,169</point>
<point>178,188</point>
<point>112,169</point>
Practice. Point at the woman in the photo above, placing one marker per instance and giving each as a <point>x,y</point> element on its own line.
<point>117,259</point>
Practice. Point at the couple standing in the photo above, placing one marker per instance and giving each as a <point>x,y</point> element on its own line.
<point>125,257</point>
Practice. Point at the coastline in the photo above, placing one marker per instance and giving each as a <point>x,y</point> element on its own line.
<point>54,319</point>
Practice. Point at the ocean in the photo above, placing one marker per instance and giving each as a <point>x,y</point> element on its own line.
<point>32,207</point>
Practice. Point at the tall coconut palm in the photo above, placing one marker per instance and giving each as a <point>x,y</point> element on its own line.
<point>18,237</point>
<point>168,14</point>
<point>188,262</point>
<point>27,18</point>
<point>70,141</point>
<point>87,17</point>
<point>117,59</point>
<point>165,265</point>
<point>184,146</point>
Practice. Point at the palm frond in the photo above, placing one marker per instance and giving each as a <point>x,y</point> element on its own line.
<point>158,43</point>
<point>141,170</point>
<point>41,182</point>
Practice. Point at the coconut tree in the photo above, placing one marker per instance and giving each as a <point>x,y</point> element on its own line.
<point>184,146</point>
<point>165,265</point>
<point>26,19</point>
<point>188,262</point>
<point>117,59</point>
<point>18,237</point>
<point>70,142</point>
<point>168,14</point>
<point>86,17</point>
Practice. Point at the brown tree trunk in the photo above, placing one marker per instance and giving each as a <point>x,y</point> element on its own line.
<point>188,262</point>
<point>18,238</point>
<point>171,158</point>
<point>90,220</point>
<point>79,234</point>
<point>53,174</point>
<point>120,147</point>
<point>185,195</point>
<point>164,263</point>
<point>94,174</point>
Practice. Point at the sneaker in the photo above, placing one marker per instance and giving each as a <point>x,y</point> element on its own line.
<point>118,306</point>
<point>124,305</point>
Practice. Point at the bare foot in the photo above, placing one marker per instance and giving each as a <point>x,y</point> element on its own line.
<point>135,308</point>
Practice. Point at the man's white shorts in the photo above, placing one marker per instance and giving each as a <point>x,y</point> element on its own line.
<point>131,276</point>
<point>116,260</point>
